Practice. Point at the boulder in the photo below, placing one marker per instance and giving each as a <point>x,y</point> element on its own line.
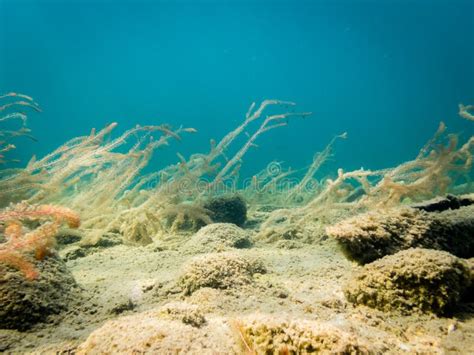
<point>414,280</point>
<point>219,271</point>
<point>227,209</point>
<point>372,235</point>
<point>23,302</point>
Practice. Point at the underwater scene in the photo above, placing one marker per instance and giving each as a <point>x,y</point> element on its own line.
<point>236,177</point>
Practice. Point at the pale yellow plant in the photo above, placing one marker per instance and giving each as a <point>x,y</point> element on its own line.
<point>11,106</point>
<point>101,178</point>
<point>465,112</point>
<point>438,168</point>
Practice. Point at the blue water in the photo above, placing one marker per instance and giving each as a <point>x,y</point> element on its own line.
<point>384,71</point>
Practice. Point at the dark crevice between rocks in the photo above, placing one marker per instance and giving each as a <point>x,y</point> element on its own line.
<point>450,202</point>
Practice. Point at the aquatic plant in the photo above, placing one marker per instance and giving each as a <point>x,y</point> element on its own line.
<point>185,216</point>
<point>78,169</point>
<point>88,175</point>
<point>442,165</point>
<point>464,112</point>
<point>10,105</point>
<point>200,176</point>
<point>299,191</point>
<point>276,187</point>
<point>83,173</point>
<point>268,188</point>
<point>433,171</point>
<point>101,178</point>
<point>39,241</point>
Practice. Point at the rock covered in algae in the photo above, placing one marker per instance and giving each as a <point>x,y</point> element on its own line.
<point>267,335</point>
<point>372,235</point>
<point>184,312</point>
<point>164,331</point>
<point>218,270</point>
<point>23,302</point>
<point>218,237</point>
<point>413,280</point>
<point>470,291</point>
<point>227,209</point>
<point>155,332</point>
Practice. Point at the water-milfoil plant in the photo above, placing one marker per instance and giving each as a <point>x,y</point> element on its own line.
<point>98,177</point>
<point>13,121</point>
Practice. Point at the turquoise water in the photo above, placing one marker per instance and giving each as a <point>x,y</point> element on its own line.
<point>384,71</point>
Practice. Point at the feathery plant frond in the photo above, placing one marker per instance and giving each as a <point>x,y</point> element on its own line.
<point>12,113</point>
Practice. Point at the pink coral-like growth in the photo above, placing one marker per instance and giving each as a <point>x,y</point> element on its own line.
<point>39,241</point>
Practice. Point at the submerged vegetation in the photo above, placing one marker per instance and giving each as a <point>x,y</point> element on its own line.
<point>82,174</point>
<point>101,179</point>
<point>205,220</point>
<point>38,241</point>
<point>10,116</point>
